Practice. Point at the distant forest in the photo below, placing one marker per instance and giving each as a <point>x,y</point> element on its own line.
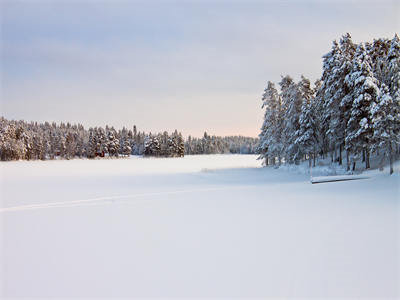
<point>353,109</point>
<point>20,140</point>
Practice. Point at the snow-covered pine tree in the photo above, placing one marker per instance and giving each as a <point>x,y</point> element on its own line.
<point>318,112</point>
<point>61,144</point>
<point>181,146</point>
<point>378,52</point>
<point>393,65</point>
<point>291,103</point>
<point>37,146</point>
<point>386,123</point>
<point>125,142</point>
<point>11,144</point>
<point>359,133</point>
<point>206,143</point>
<point>348,49</point>
<point>112,142</point>
<point>152,146</point>
<point>393,74</point>
<point>172,147</point>
<point>330,65</point>
<point>70,145</point>
<point>165,144</point>
<point>92,144</point>
<point>269,139</point>
<point>285,85</point>
<point>341,95</point>
<point>101,142</point>
<point>26,137</point>
<point>81,141</point>
<point>307,134</point>
<point>175,145</point>
<point>320,118</point>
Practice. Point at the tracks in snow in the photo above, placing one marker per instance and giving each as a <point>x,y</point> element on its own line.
<point>109,199</point>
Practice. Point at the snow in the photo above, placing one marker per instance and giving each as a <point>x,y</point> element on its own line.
<point>201,226</point>
<point>323,168</point>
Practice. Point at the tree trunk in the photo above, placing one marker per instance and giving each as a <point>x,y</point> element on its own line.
<point>347,160</point>
<point>354,166</point>
<point>381,161</point>
<point>390,158</point>
<point>367,165</point>
<point>314,159</point>
<point>340,154</point>
<point>363,155</point>
<point>335,154</point>
<point>391,163</point>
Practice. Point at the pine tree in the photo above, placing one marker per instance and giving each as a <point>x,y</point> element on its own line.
<point>331,62</point>
<point>348,49</point>
<point>37,146</point>
<point>152,146</point>
<point>269,137</point>
<point>11,144</point>
<point>112,143</point>
<point>70,146</point>
<point>386,123</point>
<point>101,141</point>
<point>393,74</point>
<point>291,102</point>
<point>378,52</point>
<point>125,142</point>
<point>92,144</point>
<point>393,70</point>
<point>181,146</point>
<point>307,134</point>
<point>365,92</point>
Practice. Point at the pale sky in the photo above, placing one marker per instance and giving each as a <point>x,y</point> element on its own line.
<point>194,66</point>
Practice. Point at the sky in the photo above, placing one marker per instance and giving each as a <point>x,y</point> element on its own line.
<point>192,65</point>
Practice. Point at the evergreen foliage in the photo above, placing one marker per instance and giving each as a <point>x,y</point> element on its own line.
<point>354,107</point>
<point>20,140</point>
<point>221,145</point>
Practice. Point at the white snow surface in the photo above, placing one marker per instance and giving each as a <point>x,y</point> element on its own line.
<point>199,226</point>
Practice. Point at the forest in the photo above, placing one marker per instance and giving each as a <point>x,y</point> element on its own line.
<point>352,111</point>
<point>20,140</point>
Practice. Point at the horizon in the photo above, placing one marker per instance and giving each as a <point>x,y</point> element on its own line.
<point>190,66</point>
<point>139,130</point>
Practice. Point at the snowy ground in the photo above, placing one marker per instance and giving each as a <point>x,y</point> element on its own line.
<point>201,226</point>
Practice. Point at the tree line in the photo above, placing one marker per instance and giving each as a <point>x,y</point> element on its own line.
<point>354,108</point>
<point>20,140</point>
<point>221,145</point>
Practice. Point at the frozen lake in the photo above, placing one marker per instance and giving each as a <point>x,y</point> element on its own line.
<point>201,226</point>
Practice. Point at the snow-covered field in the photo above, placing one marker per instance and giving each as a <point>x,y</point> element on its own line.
<point>200,226</point>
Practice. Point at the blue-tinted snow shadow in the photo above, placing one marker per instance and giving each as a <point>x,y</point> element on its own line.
<point>230,176</point>
<point>250,176</point>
